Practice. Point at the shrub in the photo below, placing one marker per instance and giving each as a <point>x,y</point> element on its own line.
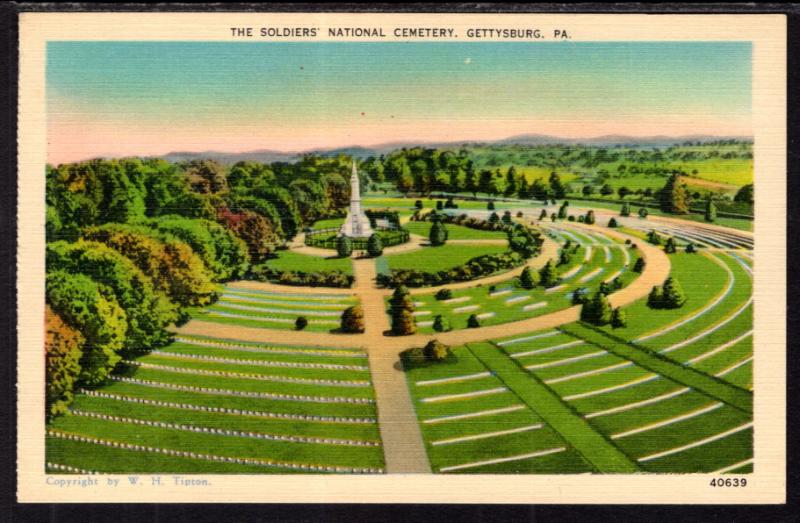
<point>490,206</point>
<point>374,246</point>
<point>626,209</point>
<point>519,214</point>
<point>439,205</point>
<point>548,276</point>
<point>581,218</point>
<point>473,322</point>
<point>655,300</point>
<point>654,238</point>
<point>711,211</point>
<point>619,318</point>
<point>580,296</point>
<point>418,204</point>
<point>613,223</point>
<point>597,311</point>
<point>543,214</point>
<point>670,247</point>
<point>571,218</point>
<point>300,323</point>
<point>690,248</point>
<point>529,278</point>
<point>553,217</point>
<point>353,319</point>
<point>474,268</point>
<point>438,234</point>
<point>494,218</point>
<point>435,351</point>
<point>564,257</point>
<point>562,211</point>
<point>507,218</point>
<point>673,296</point>
<point>344,246</point>
<point>440,323</point>
<point>589,218</point>
<point>401,311</point>
<point>444,294</point>
<point>643,212</point>
<point>336,279</point>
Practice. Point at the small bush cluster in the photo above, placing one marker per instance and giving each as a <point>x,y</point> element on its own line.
<point>337,279</point>
<point>668,296</point>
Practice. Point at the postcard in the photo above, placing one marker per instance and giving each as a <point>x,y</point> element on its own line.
<point>451,258</point>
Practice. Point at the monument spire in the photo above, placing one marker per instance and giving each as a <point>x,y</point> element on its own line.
<point>357,224</point>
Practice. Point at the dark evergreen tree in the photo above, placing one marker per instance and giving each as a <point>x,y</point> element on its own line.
<point>670,247</point>
<point>626,209</point>
<point>528,278</point>
<point>556,187</point>
<point>711,211</point>
<point>548,275</point>
<point>597,310</point>
<point>440,324</point>
<point>673,296</point>
<point>619,318</point>
<point>374,246</point>
<point>589,220</point>
<point>673,197</point>
<point>643,212</point>
<point>613,222</point>
<point>655,300</point>
<point>473,322</point>
<point>352,320</point>
<point>344,246</point>
<point>438,234</point>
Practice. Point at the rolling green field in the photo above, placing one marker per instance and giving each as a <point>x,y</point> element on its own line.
<point>507,301</point>
<point>211,405</point>
<point>440,258</point>
<point>248,308</point>
<point>293,261</point>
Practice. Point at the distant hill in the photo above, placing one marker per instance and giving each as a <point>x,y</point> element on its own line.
<point>270,156</point>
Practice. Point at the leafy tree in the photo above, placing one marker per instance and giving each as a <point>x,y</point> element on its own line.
<point>589,220</point>
<point>556,187</point>
<point>490,205</point>
<point>148,313</point>
<point>562,211</point>
<point>440,324</point>
<point>548,275</point>
<point>253,229</point>
<point>673,296</point>
<point>597,310</point>
<point>744,194</point>
<point>344,246</point>
<point>435,351</point>
<point>673,197</point>
<point>580,296</point>
<point>539,190</point>
<point>543,214</point>
<point>655,300</point>
<point>711,211</point>
<point>171,264</point>
<point>626,209</point>
<point>353,319</point>
<point>619,318</point>
<point>473,322</point>
<point>642,212</point>
<point>528,278</point>
<point>613,222</point>
<point>638,265</point>
<point>374,246</point>
<point>494,218</point>
<point>507,218</point>
<point>470,180</point>
<point>588,190</point>
<point>623,192</point>
<point>92,310</point>
<point>653,237</point>
<point>606,190</point>
<point>553,217</point>
<point>690,248</point>
<point>63,346</point>
<point>418,204</point>
<point>300,323</point>
<point>511,181</point>
<point>206,176</point>
<point>401,312</point>
<point>438,234</point>
<point>439,205</point>
<point>670,247</point>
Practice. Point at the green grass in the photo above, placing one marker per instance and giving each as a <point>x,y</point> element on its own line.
<point>715,388</point>
<point>293,261</point>
<point>137,407</point>
<point>328,223</point>
<point>455,232</point>
<point>434,259</point>
<point>507,312</point>
<point>601,453</point>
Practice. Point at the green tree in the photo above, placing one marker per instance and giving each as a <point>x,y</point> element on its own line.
<point>619,318</point>
<point>300,323</point>
<point>443,294</point>
<point>588,190</point>
<point>653,237</point>
<point>597,310</point>
<point>711,211</point>
<point>548,275</point>
<point>438,234</point>
<point>671,247</point>
<point>673,294</point>
<point>494,218</point>
<point>92,310</point>
<point>543,214</point>
<point>528,278</point>
<point>440,324</point>
<point>626,209</point>
<point>655,300</point>
<point>470,179</point>
<point>562,211</point>
<point>490,206</point>
<point>352,320</point>
<point>473,322</point>
<point>613,222</point>
<point>606,190</point>
<point>638,265</point>
<point>589,220</point>
<point>580,296</point>
<point>623,192</point>
<point>374,246</point>
<point>673,197</point>
<point>556,187</point>
<point>690,248</point>
<point>745,194</point>
<point>401,312</point>
<point>63,346</point>
<point>642,212</point>
<point>344,246</point>
<point>511,181</point>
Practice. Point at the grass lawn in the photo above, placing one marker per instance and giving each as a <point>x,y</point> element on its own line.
<point>508,302</point>
<point>454,442</point>
<point>293,261</point>
<point>219,419</point>
<point>434,259</point>
<point>455,232</point>
<point>328,223</point>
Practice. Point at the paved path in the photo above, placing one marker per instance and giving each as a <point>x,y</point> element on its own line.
<point>403,446</point>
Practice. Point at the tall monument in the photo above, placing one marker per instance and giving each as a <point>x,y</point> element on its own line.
<point>357,224</point>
